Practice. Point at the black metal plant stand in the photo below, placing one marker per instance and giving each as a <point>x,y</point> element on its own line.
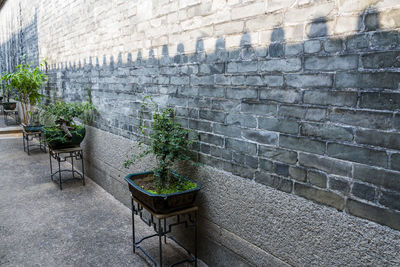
<point>28,136</point>
<point>62,155</point>
<point>187,217</point>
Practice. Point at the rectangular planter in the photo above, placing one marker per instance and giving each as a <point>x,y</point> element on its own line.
<point>161,203</point>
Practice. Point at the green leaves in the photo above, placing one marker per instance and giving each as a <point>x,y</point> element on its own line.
<point>168,141</point>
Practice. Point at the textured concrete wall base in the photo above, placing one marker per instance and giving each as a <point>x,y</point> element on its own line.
<point>243,223</point>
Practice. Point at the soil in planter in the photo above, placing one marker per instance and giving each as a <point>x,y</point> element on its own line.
<point>176,185</point>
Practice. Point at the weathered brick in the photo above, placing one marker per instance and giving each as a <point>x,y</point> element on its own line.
<point>298,112</point>
<point>266,165</point>
<point>358,154</point>
<point>326,164</point>
<point>253,80</point>
<point>395,161</point>
<point>258,107</point>
<point>200,125</point>
<point>250,161</point>
<point>378,138</point>
<point>201,80</point>
<point>309,80</point>
<point>334,98</point>
<point>380,60</point>
<point>373,213</point>
<point>243,120</point>
<point>357,42</point>
<point>320,196</point>
<point>390,199</point>
<point>262,137</point>
<point>339,184</point>
<point>388,80</point>
<point>281,95</point>
<point>277,154</point>
<point>227,130</point>
<point>368,119</point>
<point>333,45</point>
<point>331,63</point>
<point>212,91</point>
<point>274,181</point>
<point>363,191</point>
<point>241,93</point>
<point>215,68</point>
<point>326,131</point>
<point>273,80</point>
<point>317,178</point>
<point>272,124</point>
<point>312,46</point>
<point>276,50</point>
<point>297,173</point>
<point>380,177</point>
<point>211,139</point>
<point>222,79</point>
<point>204,148</point>
<point>283,65</point>
<point>301,143</point>
<point>293,49</point>
<point>241,146</point>
<point>225,104</point>
<point>385,40</point>
<point>281,169</point>
<point>382,101</point>
<point>212,115</point>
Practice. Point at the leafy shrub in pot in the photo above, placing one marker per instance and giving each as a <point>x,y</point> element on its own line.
<point>161,189</point>
<point>62,129</point>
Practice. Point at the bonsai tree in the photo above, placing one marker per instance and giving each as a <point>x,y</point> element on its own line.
<point>64,120</point>
<point>27,81</point>
<point>169,142</point>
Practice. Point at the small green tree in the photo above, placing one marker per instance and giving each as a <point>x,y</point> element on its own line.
<point>168,141</point>
<point>27,81</point>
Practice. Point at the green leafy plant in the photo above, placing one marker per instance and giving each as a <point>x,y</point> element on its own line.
<point>27,81</point>
<point>169,142</point>
<point>62,118</point>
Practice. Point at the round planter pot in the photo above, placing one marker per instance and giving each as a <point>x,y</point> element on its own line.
<point>162,203</point>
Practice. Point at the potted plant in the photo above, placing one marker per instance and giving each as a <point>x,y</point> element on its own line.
<point>6,89</point>
<point>27,81</point>
<point>162,189</point>
<point>62,129</point>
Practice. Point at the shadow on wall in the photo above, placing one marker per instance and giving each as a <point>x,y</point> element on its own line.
<point>318,118</point>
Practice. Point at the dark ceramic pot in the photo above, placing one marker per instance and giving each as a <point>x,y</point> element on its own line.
<point>9,105</point>
<point>162,203</point>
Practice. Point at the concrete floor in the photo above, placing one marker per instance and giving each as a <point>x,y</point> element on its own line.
<point>78,226</point>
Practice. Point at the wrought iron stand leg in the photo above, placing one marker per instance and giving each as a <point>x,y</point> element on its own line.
<point>159,240</point>
<point>59,172</point>
<point>27,144</point>
<point>133,224</point>
<point>72,160</point>
<point>165,230</point>
<point>195,238</point>
<point>23,140</point>
<point>83,169</point>
<point>51,167</point>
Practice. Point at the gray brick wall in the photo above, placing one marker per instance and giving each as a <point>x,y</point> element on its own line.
<point>317,117</point>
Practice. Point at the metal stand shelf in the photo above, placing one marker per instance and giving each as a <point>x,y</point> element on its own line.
<point>159,223</point>
<point>72,153</point>
<point>28,137</point>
